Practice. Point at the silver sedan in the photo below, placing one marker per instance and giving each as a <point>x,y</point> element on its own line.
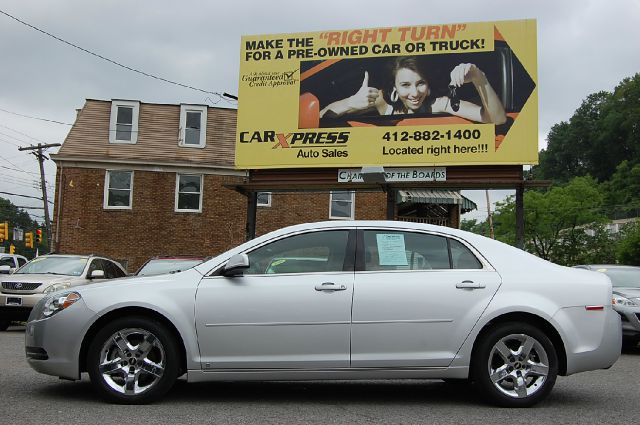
<point>337,300</point>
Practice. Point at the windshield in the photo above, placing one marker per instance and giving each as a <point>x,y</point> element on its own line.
<point>627,278</point>
<point>70,266</point>
<point>163,266</point>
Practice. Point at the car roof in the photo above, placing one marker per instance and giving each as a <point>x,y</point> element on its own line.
<point>607,266</point>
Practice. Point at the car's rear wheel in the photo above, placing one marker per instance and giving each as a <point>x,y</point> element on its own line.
<point>515,365</point>
<point>4,325</point>
<point>133,360</point>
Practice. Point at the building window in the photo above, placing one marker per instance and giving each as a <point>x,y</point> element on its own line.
<point>189,193</point>
<point>123,126</point>
<point>342,205</point>
<point>193,126</point>
<point>264,199</point>
<point>118,189</point>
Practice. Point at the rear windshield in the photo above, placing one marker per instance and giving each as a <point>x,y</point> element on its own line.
<point>69,266</point>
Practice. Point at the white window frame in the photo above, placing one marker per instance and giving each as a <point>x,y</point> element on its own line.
<point>201,193</point>
<point>267,204</point>
<point>353,204</point>
<point>183,125</point>
<point>105,201</point>
<point>115,104</point>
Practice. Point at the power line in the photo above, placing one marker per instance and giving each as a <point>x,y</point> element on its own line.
<point>35,118</point>
<point>146,74</point>
<point>15,169</point>
<point>24,196</point>
<point>19,132</point>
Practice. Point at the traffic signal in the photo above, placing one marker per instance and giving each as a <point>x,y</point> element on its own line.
<point>28,240</point>
<point>12,249</point>
<point>39,236</point>
<point>4,231</point>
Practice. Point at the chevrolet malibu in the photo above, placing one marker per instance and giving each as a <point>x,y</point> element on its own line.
<point>336,300</point>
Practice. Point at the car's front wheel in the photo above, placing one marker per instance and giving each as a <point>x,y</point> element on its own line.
<point>4,325</point>
<point>133,360</point>
<point>515,365</point>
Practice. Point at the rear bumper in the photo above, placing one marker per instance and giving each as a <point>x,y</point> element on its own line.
<point>593,339</point>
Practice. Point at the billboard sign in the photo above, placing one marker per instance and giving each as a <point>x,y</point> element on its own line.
<point>431,95</point>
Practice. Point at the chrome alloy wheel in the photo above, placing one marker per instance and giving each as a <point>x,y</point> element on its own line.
<point>132,361</point>
<point>518,365</point>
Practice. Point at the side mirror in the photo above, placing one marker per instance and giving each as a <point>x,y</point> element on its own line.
<point>5,269</point>
<point>96,274</point>
<point>236,265</point>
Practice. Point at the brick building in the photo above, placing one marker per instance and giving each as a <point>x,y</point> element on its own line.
<point>135,180</point>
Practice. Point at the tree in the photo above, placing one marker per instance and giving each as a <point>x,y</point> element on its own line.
<point>552,217</point>
<point>472,225</point>
<point>628,251</point>
<point>18,218</point>
<point>603,132</point>
<point>622,191</point>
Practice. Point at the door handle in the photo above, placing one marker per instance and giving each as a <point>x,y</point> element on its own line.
<point>330,287</point>
<point>469,284</point>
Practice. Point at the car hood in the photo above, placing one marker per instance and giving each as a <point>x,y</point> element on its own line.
<point>155,281</point>
<point>627,292</point>
<point>45,279</point>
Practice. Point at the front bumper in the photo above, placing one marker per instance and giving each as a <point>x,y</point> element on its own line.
<point>17,306</point>
<point>630,317</point>
<point>52,345</point>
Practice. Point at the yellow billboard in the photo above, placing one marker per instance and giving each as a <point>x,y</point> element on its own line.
<point>452,94</point>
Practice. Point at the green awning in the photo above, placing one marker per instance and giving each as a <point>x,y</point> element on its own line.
<point>426,196</point>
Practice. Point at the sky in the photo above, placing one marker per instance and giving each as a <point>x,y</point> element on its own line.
<point>584,46</point>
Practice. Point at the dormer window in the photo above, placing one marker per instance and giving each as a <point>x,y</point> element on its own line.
<point>123,126</point>
<point>193,126</point>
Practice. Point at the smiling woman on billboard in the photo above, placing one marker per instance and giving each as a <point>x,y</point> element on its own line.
<point>407,91</point>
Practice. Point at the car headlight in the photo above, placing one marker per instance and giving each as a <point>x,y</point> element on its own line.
<point>58,303</point>
<point>57,287</point>
<point>625,302</point>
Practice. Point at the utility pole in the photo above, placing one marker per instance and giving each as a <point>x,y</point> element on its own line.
<point>39,147</point>
<point>489,216</point>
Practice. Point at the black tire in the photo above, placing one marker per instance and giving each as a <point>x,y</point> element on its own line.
<point>4,325</point>
<point>521,379</point>
<point>133,360</point>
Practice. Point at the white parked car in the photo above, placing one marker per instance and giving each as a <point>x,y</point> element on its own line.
<point>9,263</point>
<point>337,300</point>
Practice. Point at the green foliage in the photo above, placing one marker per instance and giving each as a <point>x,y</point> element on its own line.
<point>603,132</point>
<point>552,217</point>
<point>591,244</point>
<point>622,191</point>
<point>628,249</point>
<point>19,218</point>
<point>473,226</point>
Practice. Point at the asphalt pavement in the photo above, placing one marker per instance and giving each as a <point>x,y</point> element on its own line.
<point>27,397</point>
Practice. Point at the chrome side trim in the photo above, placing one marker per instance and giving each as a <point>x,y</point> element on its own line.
<point>460,372</point>
<point>212,325</point>
<point>368,322</point>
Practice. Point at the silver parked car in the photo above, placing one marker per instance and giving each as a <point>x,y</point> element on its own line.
<point>626,298</point>
<point>45,274</point>
<point>366,300</point>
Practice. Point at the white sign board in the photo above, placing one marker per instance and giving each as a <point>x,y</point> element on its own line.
<point>417,174</point>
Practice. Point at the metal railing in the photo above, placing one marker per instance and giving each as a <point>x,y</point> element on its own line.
<point>439,221</point>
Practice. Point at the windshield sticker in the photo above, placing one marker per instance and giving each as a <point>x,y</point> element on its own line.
<point>391,251</point>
